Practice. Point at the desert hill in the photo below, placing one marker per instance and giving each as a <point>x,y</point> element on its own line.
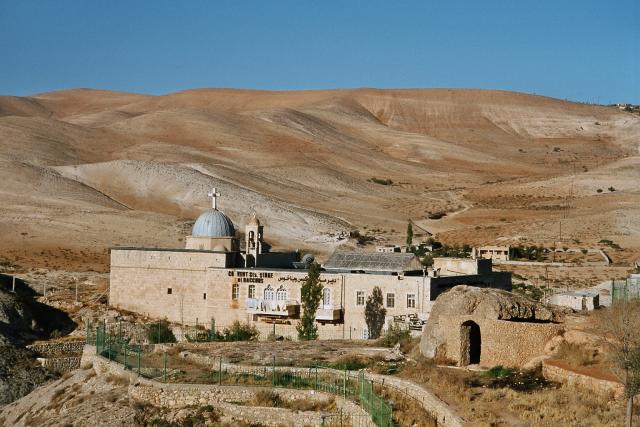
<point>82,170</point>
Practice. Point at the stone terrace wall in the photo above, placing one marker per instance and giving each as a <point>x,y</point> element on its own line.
<point>445,416</point>
<point>181,395</point>
<point>58,349</point>
<point>61,356</point>
<point>608,389</point>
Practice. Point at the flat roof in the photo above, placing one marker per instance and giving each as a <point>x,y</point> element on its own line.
<point>132,248</point>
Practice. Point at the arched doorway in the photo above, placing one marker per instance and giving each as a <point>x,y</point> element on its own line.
<point>470,343</point>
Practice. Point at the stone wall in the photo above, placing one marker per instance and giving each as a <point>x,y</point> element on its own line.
<point>58,348</point>
<point>60,356</point>
<point>60,364</point>
<point>502,342</point>
<point>608,389</point>
<point>445,416</point>
<point>224,397</point>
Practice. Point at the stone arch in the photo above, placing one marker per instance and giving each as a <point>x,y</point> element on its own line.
<point>470,343</point>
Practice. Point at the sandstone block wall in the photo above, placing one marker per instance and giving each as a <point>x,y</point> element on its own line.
<point>61,356</point>
<point>502,342</point>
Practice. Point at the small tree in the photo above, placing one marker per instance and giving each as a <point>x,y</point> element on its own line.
<point>374,313</point>
<point>620,326</point>
<point>409,234</point>
<point>311,295</point>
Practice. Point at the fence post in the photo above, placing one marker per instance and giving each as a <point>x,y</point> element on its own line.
<point>274,364</point>
<point>165,366</point>
<point>344,384</point>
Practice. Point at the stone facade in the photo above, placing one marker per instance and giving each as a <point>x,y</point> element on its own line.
<point>183,287</point>
<point>502,342</point>
<point>488,327</point>
<point>211,280</point>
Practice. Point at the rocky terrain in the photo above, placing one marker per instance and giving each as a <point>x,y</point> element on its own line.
<point>83,170</point>
<point>22,320</point>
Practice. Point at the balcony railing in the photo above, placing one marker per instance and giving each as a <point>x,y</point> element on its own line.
<point>259,306</point>
<point>329,313</point>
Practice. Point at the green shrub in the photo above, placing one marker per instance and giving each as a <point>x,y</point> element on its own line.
<point>160,333</point>
<point>499,371</point>
<point>394,335</point>
<point>240,332</point>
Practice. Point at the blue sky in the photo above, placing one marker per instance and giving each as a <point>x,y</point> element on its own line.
<point>581,50</point>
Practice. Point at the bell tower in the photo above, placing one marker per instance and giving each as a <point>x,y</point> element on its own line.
<point>253,241</point>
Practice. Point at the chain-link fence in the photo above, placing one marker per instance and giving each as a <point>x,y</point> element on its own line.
<point>165,365</point>
<point>624,290</point>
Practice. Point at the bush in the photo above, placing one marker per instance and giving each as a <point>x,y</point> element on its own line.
<point>240,332</point>
<point>394,335</point>
<point>160,333</point>
<point>499,371</point>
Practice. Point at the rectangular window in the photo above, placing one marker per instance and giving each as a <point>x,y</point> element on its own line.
<point>252,291</point>
<point>411,300</point>
<point>204,296</point>
<point>169,291</point>
<point>359,297</point>
<point>391,300</point>
<point>235,290</point>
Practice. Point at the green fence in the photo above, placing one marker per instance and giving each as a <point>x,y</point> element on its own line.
<point>112,343</point>
<point>624,290</point>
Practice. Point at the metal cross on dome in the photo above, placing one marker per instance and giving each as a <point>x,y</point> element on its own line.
<point>214,194</point>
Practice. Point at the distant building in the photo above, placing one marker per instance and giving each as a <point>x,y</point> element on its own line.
<point>215,278</point>
<point>577,300</point>
<point>496,253</point>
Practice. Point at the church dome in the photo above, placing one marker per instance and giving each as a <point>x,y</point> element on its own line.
<point>213,223</point>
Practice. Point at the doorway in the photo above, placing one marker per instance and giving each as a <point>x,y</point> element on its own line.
<point>470,343</point>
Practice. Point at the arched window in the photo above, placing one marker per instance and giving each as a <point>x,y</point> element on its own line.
<point>281,294</point>
<point>268,293</point>
<point>326,296</point>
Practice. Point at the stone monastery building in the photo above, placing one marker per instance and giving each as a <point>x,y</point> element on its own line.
<point>215,277</point>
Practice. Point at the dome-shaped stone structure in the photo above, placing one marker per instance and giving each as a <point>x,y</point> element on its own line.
<point>213,223</point>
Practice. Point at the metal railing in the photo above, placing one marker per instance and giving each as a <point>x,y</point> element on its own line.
<point>159,366</point>
<point>624,290</point>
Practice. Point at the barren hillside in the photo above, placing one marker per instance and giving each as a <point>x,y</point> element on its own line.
<point>82,170</point>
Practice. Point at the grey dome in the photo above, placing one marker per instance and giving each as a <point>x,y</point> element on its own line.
<point>213,223</point>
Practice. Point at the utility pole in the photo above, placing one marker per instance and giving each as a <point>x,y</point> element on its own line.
<point>560,231</point>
